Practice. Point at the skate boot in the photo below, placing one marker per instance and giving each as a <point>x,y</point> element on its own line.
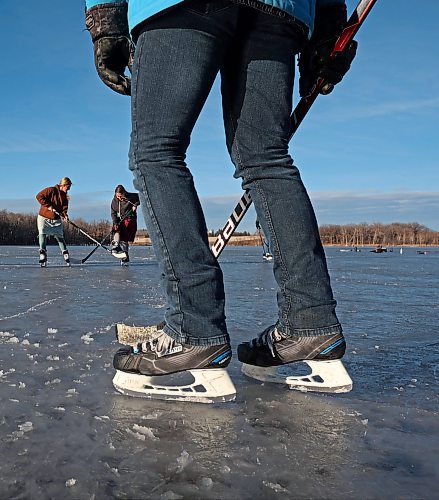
<point>43,258</point>
<point>118,251</point>
<point>66,256</point>
<point>135,335</point>
<point>165,369</point>
<point>125,261</point>
<point>262,357</point>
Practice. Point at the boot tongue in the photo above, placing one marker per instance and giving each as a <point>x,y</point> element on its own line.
<point>163,344</point>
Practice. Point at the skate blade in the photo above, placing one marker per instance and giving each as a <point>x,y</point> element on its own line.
<point>325,376</point>
<point>198,386</point>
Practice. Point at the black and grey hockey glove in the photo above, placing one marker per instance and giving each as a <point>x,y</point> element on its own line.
<point>314,60</point>
<point>113,48</point>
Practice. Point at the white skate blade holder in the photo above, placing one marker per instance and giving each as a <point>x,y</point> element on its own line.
<point>119,255</point>
<point>198,386</point>
<point>325,376</point>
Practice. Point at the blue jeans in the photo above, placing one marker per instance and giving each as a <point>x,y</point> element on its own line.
<point>178,56</point>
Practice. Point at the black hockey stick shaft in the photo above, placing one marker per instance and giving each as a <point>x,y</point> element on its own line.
<point>352,26</point>
<point>102,241</point>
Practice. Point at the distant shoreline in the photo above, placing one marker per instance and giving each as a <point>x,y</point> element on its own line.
<point>255,241</point>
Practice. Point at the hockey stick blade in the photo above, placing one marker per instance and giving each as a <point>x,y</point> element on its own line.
<point>352,26</point>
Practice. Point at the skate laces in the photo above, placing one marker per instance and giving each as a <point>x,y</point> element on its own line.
<point>268,338</point>
<point>160,343</point>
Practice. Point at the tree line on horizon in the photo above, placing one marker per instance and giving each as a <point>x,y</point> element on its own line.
<point>21,229</point>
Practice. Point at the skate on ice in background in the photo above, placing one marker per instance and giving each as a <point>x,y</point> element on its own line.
<point>161,368</point>
<point>43,258</point>
<point>271,356</point>
<point>118,252</point>
<point>66,257</point>
<point>267,256</point>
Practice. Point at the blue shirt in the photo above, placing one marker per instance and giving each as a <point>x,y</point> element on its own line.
<point>140,10</point>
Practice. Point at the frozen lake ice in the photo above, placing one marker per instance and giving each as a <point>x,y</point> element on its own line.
<point>65,432</point>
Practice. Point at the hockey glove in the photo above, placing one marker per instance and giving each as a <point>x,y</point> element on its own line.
<point>315,61</point>
<point>113,48</point>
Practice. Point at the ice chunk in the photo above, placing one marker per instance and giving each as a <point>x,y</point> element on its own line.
<point>70,482</point>
<point>26,427</point>
<point>146,431</point>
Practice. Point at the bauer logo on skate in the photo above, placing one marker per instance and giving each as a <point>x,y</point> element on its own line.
<point>177,348</point>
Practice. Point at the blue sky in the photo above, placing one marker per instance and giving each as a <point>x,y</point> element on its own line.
<point>367,153</point>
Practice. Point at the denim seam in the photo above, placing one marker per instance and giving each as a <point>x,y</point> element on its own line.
<point>287,299</point>
<point>150,209</point>
<point>278,256</point>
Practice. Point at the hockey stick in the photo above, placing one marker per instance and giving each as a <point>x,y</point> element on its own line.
<point>89,237</point>
<point>353,25</point>
<point>103,240</point>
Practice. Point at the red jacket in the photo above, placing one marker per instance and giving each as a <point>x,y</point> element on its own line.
<point>52,197</point>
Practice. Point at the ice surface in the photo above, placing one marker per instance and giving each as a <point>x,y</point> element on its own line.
<point>65,432</point>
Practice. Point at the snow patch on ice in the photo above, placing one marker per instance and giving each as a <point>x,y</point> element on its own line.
<point>146,431</point>
<point>70,482</point>
<point>53,382</point>
<point>26,427</point>
<point>87,339</point>
<point>275,486</point>
<point>103,417</point>
<point>52,330</point>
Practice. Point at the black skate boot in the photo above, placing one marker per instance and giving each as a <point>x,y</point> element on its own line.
<point>43,258</point>
<point>115,247</point>
<point>66,256</point>
<point>165,369</point>
<point>125,261</point>
<point>163,355</point>
<point>263,355</point>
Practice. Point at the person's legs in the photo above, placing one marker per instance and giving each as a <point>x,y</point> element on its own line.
<point>124,246</point>
<point>61,243</point>
<point>177,59</point>
<point>42,240</point>
<point>257,86</point>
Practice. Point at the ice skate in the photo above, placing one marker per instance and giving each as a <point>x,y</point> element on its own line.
<point>272,356</point>
<point>165,369</point>
<point>134,335</point>
<point>117,251</point>
<point>66,257</point>
<point>125,261</point>
<point>43,258</point>
<point>267,256</point>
